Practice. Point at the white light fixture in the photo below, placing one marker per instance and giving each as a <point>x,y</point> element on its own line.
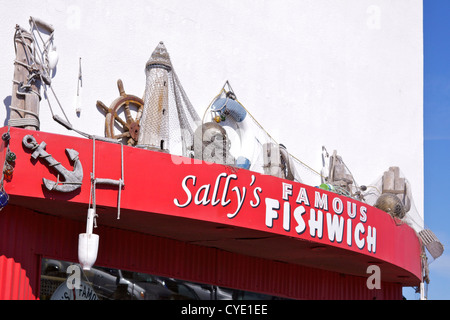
<point>88,243</point>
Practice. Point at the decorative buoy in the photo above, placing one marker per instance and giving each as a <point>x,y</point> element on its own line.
<point>6,136</point>
<point>88,243</point>
<point>3,199</point>
<point>243,162</point>
<point>391,204</point>
<point>10,156</point>
<point>327,187</point>
<point>53,58</point>
<point>8,171</point>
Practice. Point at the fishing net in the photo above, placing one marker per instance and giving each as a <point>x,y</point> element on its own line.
<point>228,134</point>
<point>392,193</point>
<point>242,142</point>
<point>168,119</point>
<point>336,176</point>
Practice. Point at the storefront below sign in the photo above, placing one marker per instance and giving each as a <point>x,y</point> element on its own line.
<point>63,280</point>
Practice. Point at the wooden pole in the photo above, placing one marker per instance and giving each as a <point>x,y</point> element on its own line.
<point>23,97</point>
<point>20,71</point>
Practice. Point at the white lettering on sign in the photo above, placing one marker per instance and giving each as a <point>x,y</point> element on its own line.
<point>320,214</point>
<point>338,227</point>
<point>204,197</point>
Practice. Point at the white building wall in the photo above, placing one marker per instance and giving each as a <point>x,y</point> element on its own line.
<point>346,74</point>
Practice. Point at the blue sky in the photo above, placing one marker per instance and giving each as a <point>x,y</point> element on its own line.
<point>436,34</point>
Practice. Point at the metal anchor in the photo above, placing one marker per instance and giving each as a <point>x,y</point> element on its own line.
<point>72,179</point>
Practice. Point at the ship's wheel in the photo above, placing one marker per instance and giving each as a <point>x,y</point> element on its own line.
<point>123,117</point>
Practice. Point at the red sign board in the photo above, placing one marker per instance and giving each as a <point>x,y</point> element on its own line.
<point>165,184</point>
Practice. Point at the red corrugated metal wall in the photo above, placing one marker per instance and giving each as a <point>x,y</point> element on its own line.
<point>26,236</point>
<point>14,283</point>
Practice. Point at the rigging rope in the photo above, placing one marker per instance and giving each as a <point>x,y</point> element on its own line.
<point>259,125</point>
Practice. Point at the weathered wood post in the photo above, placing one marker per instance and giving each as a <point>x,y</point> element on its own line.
<point>26,84</point>
<point>20,71</point>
